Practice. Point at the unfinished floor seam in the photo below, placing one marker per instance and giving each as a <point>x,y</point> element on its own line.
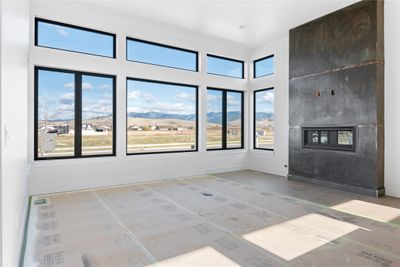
<point>148,254</point>
<point>297,198</point>
<point>351,240</point>
<point>275,258</point>
<point>282,216</point>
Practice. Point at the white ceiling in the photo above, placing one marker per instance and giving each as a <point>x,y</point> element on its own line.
<point>263,20</point>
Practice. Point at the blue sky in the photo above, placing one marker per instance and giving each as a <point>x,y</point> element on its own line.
<point>56,36</point>
<point>56,96</point>
<point>224,67</point>
<point>264,67</point>
<point>156,97</point>
<point>265,101</point>
<point>159,55</point>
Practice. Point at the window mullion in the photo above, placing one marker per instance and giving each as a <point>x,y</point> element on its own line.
<point>224,119</point>
<point>78,115</point>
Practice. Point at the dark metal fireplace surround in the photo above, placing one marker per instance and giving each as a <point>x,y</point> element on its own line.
<point>336,100</point>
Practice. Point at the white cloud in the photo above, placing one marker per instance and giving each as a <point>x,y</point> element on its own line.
<point>67,99</point>
<point>85,86</point>
<point>96,108</point>
<point>184,97</point>
<point>61,31</point>
<point>169,108</point>
<point>231,100</point>
<point>136,94</point>
<point>69,85</point>
<point>173,108</point>
<point>267,97</point>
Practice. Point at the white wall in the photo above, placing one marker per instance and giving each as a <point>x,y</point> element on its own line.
<point>272,161</point>
<point>63,175</point>
<point>14,117</point>
<point>392,98</point>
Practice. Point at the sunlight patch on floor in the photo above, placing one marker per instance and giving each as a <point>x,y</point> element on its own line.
<point>207,256</point>
<point>298,236</point>
<point>369,210</point>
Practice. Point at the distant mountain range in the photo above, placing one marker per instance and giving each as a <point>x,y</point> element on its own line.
<point>213,117</point>
<point>159,115</point>
<point>264,116</point>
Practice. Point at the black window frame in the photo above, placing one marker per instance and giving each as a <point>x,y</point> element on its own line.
<point>37,20</point>
<point>229,59</point>
<point>254,67</point>
<point>254,118</point>
<point>168,83</point>
<point>224,119</point>
<point>329,145</point>
<point>77,113</point>
<point>161,45</point>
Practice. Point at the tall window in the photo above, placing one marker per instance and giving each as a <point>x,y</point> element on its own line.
<point>264,119</point>
<point>161,117</point>
<point>162,55</point>
<point>224,119</point>
<point>62,36</point>
<point>264,66</point>
<point>225,66</point>
<point>74,114</point>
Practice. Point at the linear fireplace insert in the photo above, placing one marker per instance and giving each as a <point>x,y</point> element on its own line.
<point>336,138</point>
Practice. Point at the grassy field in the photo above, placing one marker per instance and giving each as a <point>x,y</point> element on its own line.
<point>146,141</point>
<point>141,141</point>
<point>266,141</point>
<point>91,144</point>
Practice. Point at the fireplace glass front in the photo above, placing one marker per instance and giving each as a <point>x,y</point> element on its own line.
<point>337,138</point>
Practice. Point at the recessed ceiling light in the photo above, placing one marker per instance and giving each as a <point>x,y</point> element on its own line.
<point>242,26</point>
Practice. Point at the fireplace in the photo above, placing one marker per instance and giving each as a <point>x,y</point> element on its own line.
<point>336,106</point>
<point>334,138</point>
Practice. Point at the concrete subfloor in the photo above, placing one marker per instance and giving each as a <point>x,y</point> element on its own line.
<point>242,218</point>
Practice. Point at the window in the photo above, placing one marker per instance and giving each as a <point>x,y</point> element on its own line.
<point>162,55</point>
<point>161,117</point>
<point>224,119</point>
<point>225,66</point>
<point>337,138</point>
<point>74,114</point>
<point>214,119</point>
<point>264,119</point>
<point>264,66</point>
<point>62,36</point>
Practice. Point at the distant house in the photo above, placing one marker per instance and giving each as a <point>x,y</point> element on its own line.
<point>62,129</point>
<point>260,133</point>
<point>57,129</point>
<point>135,128</point>
<point>233,131</point>
<point>87,127</point>
<point>167,128</point>
<point>103,129</point>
